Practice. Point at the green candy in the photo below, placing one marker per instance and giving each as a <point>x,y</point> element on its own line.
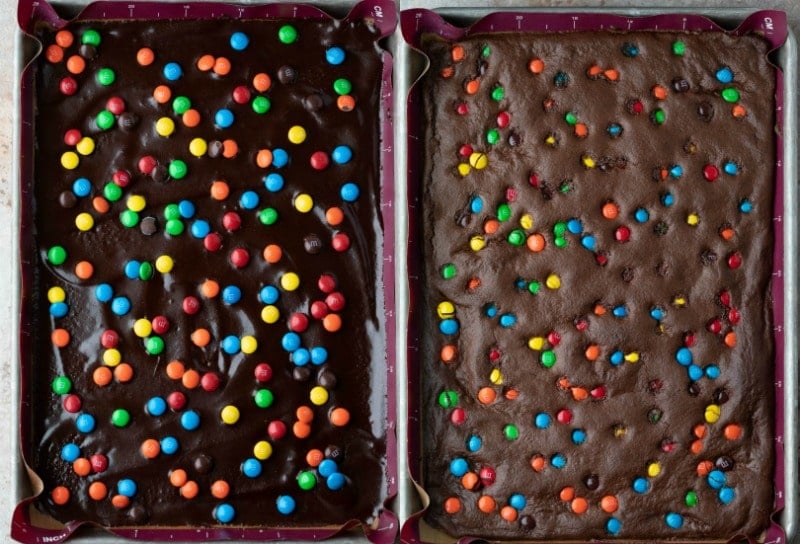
<point>174,227</point>
<point>261,104</point>
<point>571,118</point>
<point>120,418</point>
<point>154,345</point>
<point>264,398</point>
<point>511,432</point>
<point>560,242</point>
<point>181,105</point>
<point>62,385</point>
<point>730,94</point>
<point>503,212</point>
<point>691,498</point>
<point>658,116</point>
<point>268,216</point>
<point>145,271</point>
<point>449,271</point>
<point>104,120</point>
<point>129,218</point>
<point>91,37</point>
<point>178,169</point>
<point>498,93</point>
<point>172,211</point>
<point>548,358</point>
<point>516,237</point>
<point>486,51</point>
<point>105,76</point>
<point>492,136</point>
<point>306,480</point>
<point>112,192</point>
<point>342,86</point>
<point>448,399</point>
<point>57,255</point>
<point>678,47</point>
<point>287,34</point>
<point>534,287</point>
<point>559,229</point>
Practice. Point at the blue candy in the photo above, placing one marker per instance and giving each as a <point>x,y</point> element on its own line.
<point>200,228</point>
<point>517,501</point>
<point>249,200</point>
<point>173,71</point>
<point>156,406</point>
<point>327,467</point>
<point>291,342</point>
<point>342,154</point>
<point>169,445</point>
<point>186,209</point>
<point>684,356</point>
<point>349,192</point>
<point>301,357</point>
<point>231,345</point>
<point>132,269</point>
<point>724,75</point>
<point>542,420</point>
<point>85,423</point>
<point>223,118</point>
<point>120,305</point>
<point>673,520</point>
<point>558,461</point>
<point>335,481</point>
<point>285,504</point>
<point>224,513</point>
<point>613,526</point>
<point>474,443</point>
<point>104,292</point>
<point>59,309</point>
<point>578,436</point>
<point>190,420</point>
<point>70,452</point>
<point>334,55</point>
<point>126,487</point>
<point>459,467</point>
<point>269,294</point>
<point>239,41</point>
<point>640,485</point>
<point>231,294</point>
<point>695,372</point>
<point>81,187</point>
<point>319,355</point>
<point>273,182</point>
<point>251,467</point>
<point>448,326</point>
<point>280,157</point>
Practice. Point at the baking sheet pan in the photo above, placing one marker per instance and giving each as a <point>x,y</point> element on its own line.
<point>787,59</point>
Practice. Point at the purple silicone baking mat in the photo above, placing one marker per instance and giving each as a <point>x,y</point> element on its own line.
<point>382,14</point>
<point>416,22</point>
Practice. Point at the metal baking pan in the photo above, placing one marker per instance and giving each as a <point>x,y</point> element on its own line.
<point>25,50</point>
<point>412,64</point>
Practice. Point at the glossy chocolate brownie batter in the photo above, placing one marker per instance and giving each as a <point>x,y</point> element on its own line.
<point>599,353</point>
<point>340,363</point>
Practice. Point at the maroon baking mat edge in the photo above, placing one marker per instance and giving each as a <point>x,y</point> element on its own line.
<point>383,14</point>
<point>771,24</point>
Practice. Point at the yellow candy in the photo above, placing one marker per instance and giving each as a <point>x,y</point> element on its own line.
<point>445,310</point>
<point>297,134</point>
<point>290,281</point>
<point>679,301</point>
<point>249,344</point>
<point>136,203</point>
<point>496,377</point>
<point>318,395</point>
<point>477,242</point>
<point>198,147</point>
<point>70,160</point>
<point>654,469</point>
<point>464,169</point>
<point>693,219</point>
<point>142,328</point>
<point>550,140</point>
<point>84,221</point>
<point>478,160</point>
<point>536,343</point>
<point>620,431</point>
<point>165,126</point>
<point>632,357</point>
<point>85,146</point>
<point>270,314</point>
<point>112,357</point>
<point>713,413</point>
<point>553,281</point>
<point>587,161</point>
<point>526,221</point>
<point>56,294</point>
<point>164,264</point>
<point>262,450</point>
<point>230,414</point>
<point>303,203</point>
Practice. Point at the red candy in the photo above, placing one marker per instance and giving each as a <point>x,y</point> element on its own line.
<point>263,372</point>
<point>725,298</point>
<point>734,316</point>
<point>326,283</point>
<point>209,382</point>
<point>710,172</point>
<point>276,429</point>
<point>239,257</point>
<point>465,150</point>
<point>340,242</point>
<point>487,476</point>
<point>115,105</point>
<point>319,160</point>
<point>462,109</point>
<point>72,403</point>
<point>121,178</point>
<point>714,326</point>
<point>335,301</point>
<point>99,462</point>
<point>564,416</point>
<point>241,94</point>
<point>503,119</point>
<point>212,242</point>
<point>160,324</point>
<point>231,221</point>
<point>734,260</point>
<point>298,322</point>
<point>176,400</point>
<point>598,393</point>
<point>68,86</point>
<point>147,164</point>
<point>622,234</point>
<point>191,305</point>
<point>458,416</point>
<point>109,339</point>
<point>554,338</point>
<point>318,309</point>
<point>72,137</point>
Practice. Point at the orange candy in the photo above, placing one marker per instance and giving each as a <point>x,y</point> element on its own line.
<point>201,338</point>
<point>704,467</point>
<point>162,94</point>
<point>145,56</point>
<point>594,71</point>
<point>190,379</point>
<point>220,190</point>
<point>452,505</point>
<point>487,395</point>
<point>191,118</point>
<point>611,74</point>
<point>150,448</point>
<point>469,480</point>
<point>486,504</point>
<point>472,86</point>
<point>346,103</point>
<point>175,370</point>
<point>220,489</point>
<point>54,53</point>
<point>190,489</point>
<point>209,289</point>
<point>264,158</point>
<point>76,64</point>
<point>567,494</point>
<point>301,429</point>
<point>314,457</point>
<point>64,38</point>
<point>739,111</point>
<point>535,242</point>
<point>579,505</point>
<point>81,466</point>
<point>98,491</point>
<point>60,495</point>
<point>102,376</point>
<point>592,353</point>
<point>457,53</point>
<point>205,63</point>
<point>579,393</point>
<point>732,431</point>
<point>304,414</point>
<point>696,446</point>
<point>508,513</point>
<point>491,226</point>
<point>120,502</point>
<point>581,130</point>
<point>123,372</point>
<point>273,253</point>
<point>60,337</point>
<point>536,66</point>
<point>339,417</point>
<point>730,339</point>
<point>699,430</point>
<point>447,72</point>
<point>448,353</point>
<point>609,504</point>
<point>538,463</point>
<point>262,82</point>
<point>222,66</point>
<point>511,393</point>
<point>178,477</point>
<point>100,204</point>
<point>610,210</point>
<point>473,284</point>
<point>727,234</point>
<point>659,92</point>
<point>334,216</point>
<point>230,149</point>
<point>332,322</point>
<point>84,270</point>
